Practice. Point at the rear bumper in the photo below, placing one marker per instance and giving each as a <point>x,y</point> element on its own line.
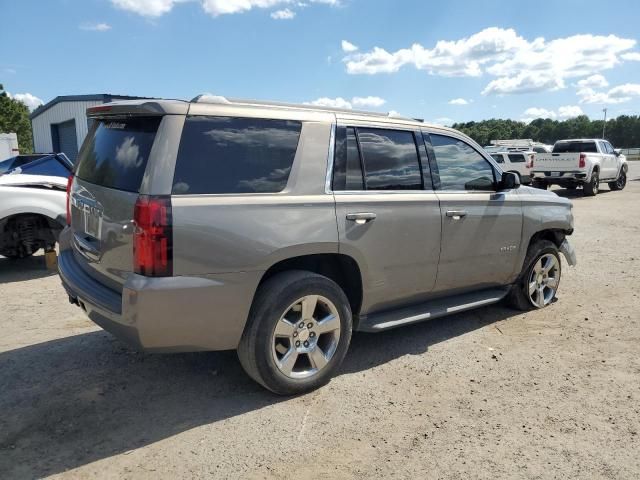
<point>564,178</point>
<point>164,314</point>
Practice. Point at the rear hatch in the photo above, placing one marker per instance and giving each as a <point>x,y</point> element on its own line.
<point>565,156</point>
<point>108,175</point>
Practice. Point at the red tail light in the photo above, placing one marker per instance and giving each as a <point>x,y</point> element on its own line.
<point>583,160</point>
<point>69,183</point>
<point>153,237</point>
<point>530,162</point>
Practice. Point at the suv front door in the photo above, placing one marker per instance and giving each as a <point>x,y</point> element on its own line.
<point>388,215</point>
<point>481,227</point>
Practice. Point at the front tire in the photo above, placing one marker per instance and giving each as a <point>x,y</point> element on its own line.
<point>620,182</point>
<point>591,189</point>
<point>297,334</point>
<point>538,283</point>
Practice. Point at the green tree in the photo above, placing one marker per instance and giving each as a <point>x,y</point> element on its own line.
<point>14,117</point>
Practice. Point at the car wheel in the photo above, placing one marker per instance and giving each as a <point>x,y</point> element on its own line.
<point>538,283</point>
<point>591,189</point>
<point>297,334</point>
<point>621,181</point>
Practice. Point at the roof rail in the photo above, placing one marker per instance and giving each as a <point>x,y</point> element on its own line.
<point>218,99</point>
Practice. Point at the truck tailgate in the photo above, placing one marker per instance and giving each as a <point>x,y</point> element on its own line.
<point>556,162</point>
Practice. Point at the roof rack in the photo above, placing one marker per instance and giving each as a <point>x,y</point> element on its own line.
<point>220,100</point>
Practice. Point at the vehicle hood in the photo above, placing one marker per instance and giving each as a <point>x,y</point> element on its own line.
<point>39,181</point>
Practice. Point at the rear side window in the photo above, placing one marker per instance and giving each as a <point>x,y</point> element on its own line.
<point>235,155</point>
<point>516,158</point>
<point>575,147</point>
<point>390,159</point>
<point>498,158</point>
<point>115,152</point>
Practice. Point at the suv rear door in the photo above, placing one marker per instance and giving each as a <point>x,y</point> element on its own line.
<point>108,177</point>
<point>481,228</point>
<point>388,215</point>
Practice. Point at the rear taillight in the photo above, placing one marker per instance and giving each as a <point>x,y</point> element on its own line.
<point>153,237</point>
<point>530,161</point>
<point>69,183</point>
<point>583,160</point>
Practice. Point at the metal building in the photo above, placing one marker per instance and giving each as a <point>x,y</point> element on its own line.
<point>62,124</point>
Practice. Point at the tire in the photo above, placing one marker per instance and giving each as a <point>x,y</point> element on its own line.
<point>620,182</point>
<point>267,354</point>
<point>538,255</point>
<point>591,189</point>
<point>540,185</point>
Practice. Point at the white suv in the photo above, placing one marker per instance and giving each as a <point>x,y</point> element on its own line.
<point>518,162</point>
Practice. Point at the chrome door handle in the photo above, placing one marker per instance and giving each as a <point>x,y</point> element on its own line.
<point>362,217</point>
<point>456,214</point>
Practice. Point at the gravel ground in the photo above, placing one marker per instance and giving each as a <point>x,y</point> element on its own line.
<point>486,394</point>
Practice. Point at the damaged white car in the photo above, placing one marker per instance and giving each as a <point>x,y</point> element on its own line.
<point>33,205</point>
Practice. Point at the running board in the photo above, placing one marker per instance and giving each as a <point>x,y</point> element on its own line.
<point>429,310</point>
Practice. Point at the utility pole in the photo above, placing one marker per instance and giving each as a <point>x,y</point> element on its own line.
<point>604,125</point>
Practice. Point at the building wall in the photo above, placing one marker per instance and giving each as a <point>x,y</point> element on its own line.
<point>59,113</point>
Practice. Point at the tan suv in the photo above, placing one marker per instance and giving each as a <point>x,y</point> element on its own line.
<point>278,229</point>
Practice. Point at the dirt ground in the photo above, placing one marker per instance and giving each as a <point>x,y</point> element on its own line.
<point>486,394</point>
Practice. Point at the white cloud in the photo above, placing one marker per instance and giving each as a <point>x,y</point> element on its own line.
<point>594,81</point>
<point>31,101</point>
<point>458,101</point>
<point>371,102</point>
<point>520,65</point>
<point>285,14</point>
<point>569,111</point>
<point>348,46</point>
<point>618,94</point>
<point>339,102</point>
<point>444,121</point>
<point>536,112</point>
<point>564,112</point>
<point>631,56</point>
<point>95,27</point>
<point>157,8</point>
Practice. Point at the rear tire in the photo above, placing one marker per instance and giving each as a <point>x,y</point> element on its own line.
<point>620,182</point>
<point>591,189</point>
<point>538,283</point>
<point>293,342</point>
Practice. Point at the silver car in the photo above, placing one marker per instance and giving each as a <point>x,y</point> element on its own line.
<point>279,229</point>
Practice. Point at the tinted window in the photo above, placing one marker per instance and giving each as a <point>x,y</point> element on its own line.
<point>390,159</point>
<point>575,147</point>
<point>347,170</point>
<point>516,158</point>
<point>115,152</point>
<point>235,155</point>
<point>460,166</point>
<point>498,158</point>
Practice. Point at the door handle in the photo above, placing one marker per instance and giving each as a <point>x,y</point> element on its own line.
<point>362,217</point>
<point>456,214</point>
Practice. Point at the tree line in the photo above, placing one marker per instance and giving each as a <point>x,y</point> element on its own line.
<point>622,132</point>
<point>14,117</point>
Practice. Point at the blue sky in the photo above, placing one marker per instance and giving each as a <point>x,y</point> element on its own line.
<point>443,61</point>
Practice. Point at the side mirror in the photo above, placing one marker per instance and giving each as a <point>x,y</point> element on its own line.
<point>509,181</point>
<point>617,152</point>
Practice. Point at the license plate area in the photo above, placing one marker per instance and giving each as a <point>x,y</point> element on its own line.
<point>92,224</point>
<point>555,174</point>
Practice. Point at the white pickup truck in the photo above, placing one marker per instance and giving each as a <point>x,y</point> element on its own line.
<point>580,162</point>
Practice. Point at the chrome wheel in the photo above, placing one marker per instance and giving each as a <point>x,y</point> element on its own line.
<point>544,280</point>
<point>306,337</point>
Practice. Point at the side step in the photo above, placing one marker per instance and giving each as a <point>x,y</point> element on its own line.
<point>429,310</point>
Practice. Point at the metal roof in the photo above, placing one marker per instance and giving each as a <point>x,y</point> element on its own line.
<point>101,97</point>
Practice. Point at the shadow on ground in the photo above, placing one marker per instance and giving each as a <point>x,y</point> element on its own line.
<point>18,270</point>
<point>72,401</point>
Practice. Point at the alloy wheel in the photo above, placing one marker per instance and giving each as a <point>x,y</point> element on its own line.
<point>544,280</point>
<point>306,337</point>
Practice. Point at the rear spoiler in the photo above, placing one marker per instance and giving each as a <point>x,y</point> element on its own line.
<point>127,108</point>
